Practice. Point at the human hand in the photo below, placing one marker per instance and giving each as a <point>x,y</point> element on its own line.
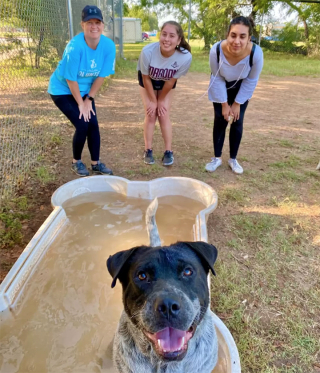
<point>151,108</point>
<point>235,108</point>
<point>86,109</point>
<point>226,111</point>
<point>162,108</point>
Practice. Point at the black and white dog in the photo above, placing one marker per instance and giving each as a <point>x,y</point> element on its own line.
<point>166,325</point>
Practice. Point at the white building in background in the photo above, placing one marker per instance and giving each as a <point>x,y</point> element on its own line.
<point>131,30</point>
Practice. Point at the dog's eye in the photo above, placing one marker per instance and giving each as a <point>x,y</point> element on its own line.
<point>142,276</point>
<point>187,272</point>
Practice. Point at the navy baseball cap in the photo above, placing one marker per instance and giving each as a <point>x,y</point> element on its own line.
<point>91,12</point>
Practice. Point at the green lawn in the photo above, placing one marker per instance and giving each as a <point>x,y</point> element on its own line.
<point>275,63</point>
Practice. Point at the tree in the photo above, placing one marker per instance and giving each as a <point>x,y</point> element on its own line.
<point>46,24</point>
<point>149,19</point>
<point>210,18</point>
<point>309,16</point>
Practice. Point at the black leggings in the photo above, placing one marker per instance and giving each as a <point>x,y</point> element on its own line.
<point>220,124</point>
<point>69,107</point>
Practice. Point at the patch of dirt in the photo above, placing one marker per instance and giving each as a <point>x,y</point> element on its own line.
<point>279,153</point>
<point>281,111</point>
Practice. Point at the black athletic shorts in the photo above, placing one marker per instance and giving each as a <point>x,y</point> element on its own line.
<point>157,84</point>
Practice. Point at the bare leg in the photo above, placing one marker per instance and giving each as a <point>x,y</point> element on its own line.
<point>165,123</point>
<point>149,121</point>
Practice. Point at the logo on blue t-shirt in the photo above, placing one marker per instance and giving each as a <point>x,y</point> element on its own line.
<point>82,64</point>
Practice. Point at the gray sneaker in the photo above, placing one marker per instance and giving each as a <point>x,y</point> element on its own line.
<point>80,169</point>
<point>167,159</point>
<point>101,168</point>
<point>214,164</point>
<point>148,157</point>
<point>235,167</point>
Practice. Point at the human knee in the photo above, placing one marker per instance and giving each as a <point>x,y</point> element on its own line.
<point>164,120</point>
<point>150,120</point>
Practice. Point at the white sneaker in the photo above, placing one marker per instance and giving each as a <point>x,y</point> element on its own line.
<point>214,164</point>
<point>235,167</point>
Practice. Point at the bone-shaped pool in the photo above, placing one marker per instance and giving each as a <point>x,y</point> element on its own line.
<point>58,312</point>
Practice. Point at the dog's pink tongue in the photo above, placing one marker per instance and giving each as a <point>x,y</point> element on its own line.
<point>170,340</point>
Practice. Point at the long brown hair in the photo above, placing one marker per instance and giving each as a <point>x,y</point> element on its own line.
<point>183,43</point>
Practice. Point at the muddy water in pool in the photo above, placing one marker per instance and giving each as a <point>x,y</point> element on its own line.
<point>69,313</point>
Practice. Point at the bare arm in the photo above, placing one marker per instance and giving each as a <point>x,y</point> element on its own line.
<point>166,88</point>
<point>85,109</point>
<point>74,88</point>
<point>162,109</point>
<point>153,103</point>
<point>85,106</point>
<point>96,86</point>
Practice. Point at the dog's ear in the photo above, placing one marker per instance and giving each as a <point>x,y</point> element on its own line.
<point>208,253</point>
<point>116,262</point>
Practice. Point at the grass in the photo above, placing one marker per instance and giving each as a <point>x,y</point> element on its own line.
<point>233,195</point>
<point>275,63</point>
<point>291,162</point>
<point>246,294</point>
<point>11,217</point>
<point>56,139</point>
<point>44,175</point>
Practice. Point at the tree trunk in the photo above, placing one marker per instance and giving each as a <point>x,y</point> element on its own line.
<point>207,44</point>
<point>306,29</point>
<point>30,49</point>
<point>38,51</point>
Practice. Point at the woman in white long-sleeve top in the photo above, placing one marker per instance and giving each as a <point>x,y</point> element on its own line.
<point>236,64</point>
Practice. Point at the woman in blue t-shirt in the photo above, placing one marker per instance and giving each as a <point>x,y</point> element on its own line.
<point>88,58</point>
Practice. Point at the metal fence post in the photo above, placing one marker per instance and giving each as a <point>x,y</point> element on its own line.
<point>121,30</point>
<point>113,22</point>
<point>261,25</point>
<point>69,7</point>
<point>189,21</point>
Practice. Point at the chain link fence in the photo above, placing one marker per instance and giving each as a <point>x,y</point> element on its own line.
<point>33,35</point>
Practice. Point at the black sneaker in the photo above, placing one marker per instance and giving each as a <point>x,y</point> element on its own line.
<point>80,169</point>
<point>148,157</point>
<point>167,159</point>
<point>101,168</point>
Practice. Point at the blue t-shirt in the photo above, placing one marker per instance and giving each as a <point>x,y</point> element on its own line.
<point>82,64</point>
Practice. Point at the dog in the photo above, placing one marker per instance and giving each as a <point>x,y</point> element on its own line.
<point>166,325</point>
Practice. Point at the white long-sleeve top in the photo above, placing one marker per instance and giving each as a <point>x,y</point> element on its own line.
<point>228,73</point>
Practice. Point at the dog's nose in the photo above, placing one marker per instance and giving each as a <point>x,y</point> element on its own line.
<point>167,307</point>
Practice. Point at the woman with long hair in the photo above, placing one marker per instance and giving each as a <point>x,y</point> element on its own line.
<point>236,64</point>
<point>160,65</point>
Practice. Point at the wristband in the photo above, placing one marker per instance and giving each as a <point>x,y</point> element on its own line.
<point>88,97</point>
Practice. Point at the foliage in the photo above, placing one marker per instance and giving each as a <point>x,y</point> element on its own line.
<point>149,19</point>
<point>286,40</point>
<point>46,25</point>
<point>210,18</point>
<point>290,33</point>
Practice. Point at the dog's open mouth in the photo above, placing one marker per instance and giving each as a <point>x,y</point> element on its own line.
<point>171,343</point>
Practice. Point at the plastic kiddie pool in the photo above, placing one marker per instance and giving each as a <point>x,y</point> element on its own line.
<point>59,334</point>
